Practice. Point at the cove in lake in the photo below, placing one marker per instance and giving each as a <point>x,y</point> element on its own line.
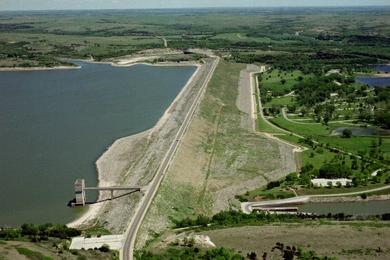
<point>55,124</point>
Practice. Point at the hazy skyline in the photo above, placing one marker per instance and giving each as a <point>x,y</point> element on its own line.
<point>139,4</point>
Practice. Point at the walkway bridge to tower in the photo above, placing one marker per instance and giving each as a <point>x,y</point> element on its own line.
<point>80,188</point>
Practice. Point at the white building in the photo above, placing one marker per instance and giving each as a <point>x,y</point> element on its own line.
<point>115,242</point>
<point>330,182</point>
<point>334,71</point>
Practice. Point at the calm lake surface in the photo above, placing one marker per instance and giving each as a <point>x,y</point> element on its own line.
<point>379,82</point>
<point>366,208</point>
<point>383,68</point>
<point>55,124</point>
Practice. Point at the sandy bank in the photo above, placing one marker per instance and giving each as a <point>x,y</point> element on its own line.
<point>120,62</point>
<point>114,161</point>
<point>39,68</point>
<point>374,75</point>
<point>382,75</point>
<point>133,62</point>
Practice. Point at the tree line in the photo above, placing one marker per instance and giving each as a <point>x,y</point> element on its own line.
<point>38,233</point>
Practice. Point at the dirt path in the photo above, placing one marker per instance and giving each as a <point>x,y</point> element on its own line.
<point>245,97</point>
<point>165,42</point>
<point>246,102</point>
<point>289,158</point>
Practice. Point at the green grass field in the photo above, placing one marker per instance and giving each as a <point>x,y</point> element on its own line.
<point>261,193</point>
<point>273,80</point>
<point>280,101</point>
<point>263,126</point>
<point>301,129</point>
<point>33,255</point>
<point>356,144</point>
<point>322,133</point>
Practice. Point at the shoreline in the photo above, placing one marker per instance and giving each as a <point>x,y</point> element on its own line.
<point>143,62</point>
<point>116,63</point>
<point>374,75</point>
<point>381,75</point>
<point>94,209</point>
<point>14,69</point>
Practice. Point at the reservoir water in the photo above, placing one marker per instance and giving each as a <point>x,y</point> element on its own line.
<point>55,124</point>
<point>383,68</point>
<point>378,82</point>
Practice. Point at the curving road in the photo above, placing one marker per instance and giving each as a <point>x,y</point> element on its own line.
<point>131,233</point>
<point>247,207</point>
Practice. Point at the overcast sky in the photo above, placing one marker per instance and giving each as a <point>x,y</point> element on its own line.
<point>129,4</point>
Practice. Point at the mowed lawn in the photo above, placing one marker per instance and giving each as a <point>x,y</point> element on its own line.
<point>280,101</point>
<point>273,80</point>
<point>301,129</point>
<point>361,143</point>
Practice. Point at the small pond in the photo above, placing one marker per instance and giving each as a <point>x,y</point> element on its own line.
<point>360,131</point>
<point>378,82</point>
<point>383,68</point>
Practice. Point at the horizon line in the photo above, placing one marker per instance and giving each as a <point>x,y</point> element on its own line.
<point>198,8</point>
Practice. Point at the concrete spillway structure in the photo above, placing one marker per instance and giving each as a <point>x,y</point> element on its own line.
<point>80,188</point>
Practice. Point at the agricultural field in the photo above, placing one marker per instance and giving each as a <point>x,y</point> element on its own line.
<point>332,38</point>
<point>340,241</point>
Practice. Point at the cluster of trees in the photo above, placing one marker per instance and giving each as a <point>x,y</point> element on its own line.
<point>382,105</point>
<point>11,27</point>
<point>194,253</point>
<point>315,90</point>
<point>334,171</point>
<point>292,252</point>
<point>229,218</point>
<point>234,218</point>
<point>308,63</point>
<point>376,109</point>
<point>331,170</point>
<point>38,232</point>
<point>27,57</point>
<point>324,112</point>
<point>273,110</point>
<point>201,220</point>
<point>359,170</point>
<point>189,253</point>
